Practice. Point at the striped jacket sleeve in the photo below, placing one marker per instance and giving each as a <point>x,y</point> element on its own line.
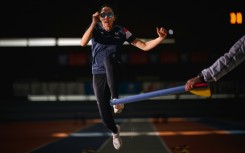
<point>226,63</point>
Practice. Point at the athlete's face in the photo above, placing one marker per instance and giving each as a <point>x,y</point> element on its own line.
<point>107,17</point>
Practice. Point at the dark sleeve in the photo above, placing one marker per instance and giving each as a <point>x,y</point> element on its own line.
<point>129,36</point>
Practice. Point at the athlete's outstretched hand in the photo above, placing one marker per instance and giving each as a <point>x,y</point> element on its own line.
<point>162,32</point>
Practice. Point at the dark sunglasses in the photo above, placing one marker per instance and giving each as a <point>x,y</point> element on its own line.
<point>103,15</point>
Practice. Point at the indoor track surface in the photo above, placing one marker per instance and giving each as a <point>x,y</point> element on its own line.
<point>139,135</point>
